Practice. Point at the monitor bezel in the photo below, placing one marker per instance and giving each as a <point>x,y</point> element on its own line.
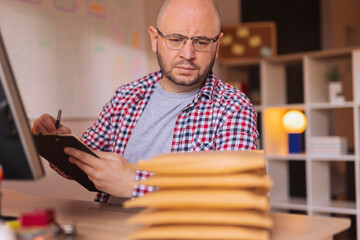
<point>18,112</point>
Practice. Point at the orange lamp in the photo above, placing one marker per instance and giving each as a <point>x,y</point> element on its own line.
<point>294,123</point>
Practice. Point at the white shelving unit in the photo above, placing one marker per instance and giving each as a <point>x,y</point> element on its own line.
<point>331,182</point>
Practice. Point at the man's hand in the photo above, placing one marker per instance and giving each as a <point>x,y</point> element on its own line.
<point>46,124</point>
<point>111,173</point>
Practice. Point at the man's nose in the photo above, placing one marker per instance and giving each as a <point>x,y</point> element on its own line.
<point>188,51</point>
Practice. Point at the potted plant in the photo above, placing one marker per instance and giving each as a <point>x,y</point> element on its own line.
<point>335,88</point>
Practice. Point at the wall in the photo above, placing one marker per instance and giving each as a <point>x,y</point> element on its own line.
<point>345,21</point>
<point>340,23</point>
<point>74,54</point>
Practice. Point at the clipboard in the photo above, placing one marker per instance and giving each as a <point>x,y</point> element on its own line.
<point>51,147</point>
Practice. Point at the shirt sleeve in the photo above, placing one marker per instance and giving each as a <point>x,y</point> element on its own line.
<point>140,189</point>
<point>239,132</point>
<point>97,138</point>
<point>99,135</point>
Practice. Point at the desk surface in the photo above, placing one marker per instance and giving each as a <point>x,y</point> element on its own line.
<point>107,221</point>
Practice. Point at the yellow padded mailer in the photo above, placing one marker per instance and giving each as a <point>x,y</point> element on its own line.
<point>200,232</point>
<point>208,216</point>
<point>247,180</point>
<point>211,162</point>
<point>221,199</point>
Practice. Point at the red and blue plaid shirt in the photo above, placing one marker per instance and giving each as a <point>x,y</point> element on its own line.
<point>220,117</point>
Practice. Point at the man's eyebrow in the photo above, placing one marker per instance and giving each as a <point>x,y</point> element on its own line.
<point>202,37</point>
<point>177,34</point>
<point>180,35</point>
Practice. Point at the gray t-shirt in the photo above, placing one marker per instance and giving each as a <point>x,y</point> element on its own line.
<point>153,133</point>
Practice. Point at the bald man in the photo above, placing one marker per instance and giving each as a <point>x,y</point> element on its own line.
<point>183,107</point>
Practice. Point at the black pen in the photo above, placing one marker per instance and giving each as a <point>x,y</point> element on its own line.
<point>57,123</point>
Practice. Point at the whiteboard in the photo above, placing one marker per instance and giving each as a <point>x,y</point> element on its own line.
<point>73,54</point>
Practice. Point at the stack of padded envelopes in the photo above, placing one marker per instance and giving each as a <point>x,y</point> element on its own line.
<point>204,195</point>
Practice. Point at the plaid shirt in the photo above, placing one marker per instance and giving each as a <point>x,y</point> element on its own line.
<point>219,118</point>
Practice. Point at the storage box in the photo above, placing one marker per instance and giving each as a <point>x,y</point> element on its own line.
<point>328,145</point>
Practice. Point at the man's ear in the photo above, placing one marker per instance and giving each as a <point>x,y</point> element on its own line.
<point>218,44</point>
<point>153,37</point>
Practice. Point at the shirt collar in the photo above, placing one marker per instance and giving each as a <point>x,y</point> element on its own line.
<point>207,89</point>
<point>209,86</point>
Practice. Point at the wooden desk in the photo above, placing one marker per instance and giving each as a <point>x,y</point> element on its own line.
<point>107,221</point>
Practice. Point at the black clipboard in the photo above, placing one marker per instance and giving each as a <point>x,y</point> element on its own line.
<point>51,147</point>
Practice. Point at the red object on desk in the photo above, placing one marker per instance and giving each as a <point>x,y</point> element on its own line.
<point>1,174</point>
<point>41,217</point>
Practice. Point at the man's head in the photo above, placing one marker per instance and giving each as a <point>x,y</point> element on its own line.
<point>186,64</point>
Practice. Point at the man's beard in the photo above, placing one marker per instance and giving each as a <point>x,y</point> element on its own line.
<point>200,77</point>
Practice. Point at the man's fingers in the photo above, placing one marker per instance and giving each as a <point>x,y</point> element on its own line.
<point>110,156</point>
<point>49,123</point>
<point>44,124</point>
<point>114,157</point>
<point>38,128</point>
<point>105,155</point>
<point>81,156</point>
<point>63,130</point>
<point>83,166</point>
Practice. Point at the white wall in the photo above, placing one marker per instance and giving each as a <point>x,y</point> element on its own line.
<point>73,58</point>
<point>340,23</point>
<point>345,22</point>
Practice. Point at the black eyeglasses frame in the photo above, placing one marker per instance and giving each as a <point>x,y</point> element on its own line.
<point>188,38</point>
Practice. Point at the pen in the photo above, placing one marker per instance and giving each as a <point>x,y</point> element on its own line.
<point>57,123</point>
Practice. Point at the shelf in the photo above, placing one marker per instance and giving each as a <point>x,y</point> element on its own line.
<point>332,53</point>
<point>287,59</point>
<point>293,204</point>
<point>310,183</point>
<point>239,62</point>
<point>327,105</point>
<point>328,157</point>
<point>286,157</point>
<point>333,185</point>
<point>336,207</point>
<point>331,122</point>
<point>287,106</point>
<point>317,66</point>
<point>286,175</point>
<point>282,82</point>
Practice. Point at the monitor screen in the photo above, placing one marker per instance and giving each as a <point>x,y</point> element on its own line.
<point>18,155</point>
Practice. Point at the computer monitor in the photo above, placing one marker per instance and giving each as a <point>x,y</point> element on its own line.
<point>18,155</point>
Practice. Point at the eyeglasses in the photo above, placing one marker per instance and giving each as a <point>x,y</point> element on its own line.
<point>177,41</point>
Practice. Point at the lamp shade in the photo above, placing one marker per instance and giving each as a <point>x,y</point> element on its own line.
<point>294,121</point>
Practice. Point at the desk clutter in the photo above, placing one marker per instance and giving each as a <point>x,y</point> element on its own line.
<point>204,195</point>
<point>34,225</point>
